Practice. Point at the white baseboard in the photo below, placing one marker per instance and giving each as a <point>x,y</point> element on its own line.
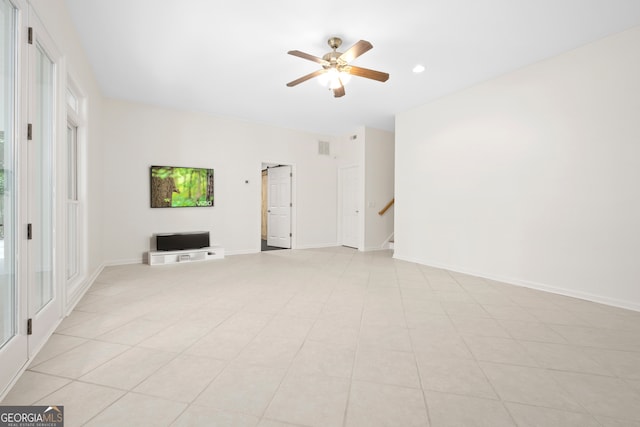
<point>376,248</point>
<point>244,252</point>
<point>319,246</point>
<point>601,299</point>
<point>71,304</point>
<point>388,244</point>
<point>116,262</point>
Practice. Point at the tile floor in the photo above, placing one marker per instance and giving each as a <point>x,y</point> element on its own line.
<point>333,337</point>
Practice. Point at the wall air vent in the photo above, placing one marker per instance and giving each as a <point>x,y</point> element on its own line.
<point>324,148</point>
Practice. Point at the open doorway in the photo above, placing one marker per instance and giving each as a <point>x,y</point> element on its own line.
<point>276,207</point>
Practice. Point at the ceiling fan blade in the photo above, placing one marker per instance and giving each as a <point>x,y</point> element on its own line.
<point>369,74</point>
<point>356,50</point>
<point>339,91</point>
<point>305,78</point>
<point>308,56</point>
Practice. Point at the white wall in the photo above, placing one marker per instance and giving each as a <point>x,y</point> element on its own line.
<point>533,177</point>
<point>378,186</point>
<point>140,136</point>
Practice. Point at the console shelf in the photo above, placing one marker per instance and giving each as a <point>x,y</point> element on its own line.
<point>187,255</point>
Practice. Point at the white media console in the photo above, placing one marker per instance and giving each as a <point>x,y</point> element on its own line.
<point>186,255</point>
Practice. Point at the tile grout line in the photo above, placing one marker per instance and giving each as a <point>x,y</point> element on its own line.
<point>477,362</point>
<point>415,359</point>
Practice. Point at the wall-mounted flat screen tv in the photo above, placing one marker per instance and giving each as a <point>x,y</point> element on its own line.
<point>178,187</point>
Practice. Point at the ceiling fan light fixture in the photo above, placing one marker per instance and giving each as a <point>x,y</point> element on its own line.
<point>333,78</point>
<point>336,69</point>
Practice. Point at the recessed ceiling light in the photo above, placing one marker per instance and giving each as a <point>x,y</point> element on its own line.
<point>418,69</point>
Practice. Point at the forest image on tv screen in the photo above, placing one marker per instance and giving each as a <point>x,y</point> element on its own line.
<point>174,187</point>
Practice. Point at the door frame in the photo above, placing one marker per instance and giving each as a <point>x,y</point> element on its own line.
<point>294,201</point>
<point>279,207</point>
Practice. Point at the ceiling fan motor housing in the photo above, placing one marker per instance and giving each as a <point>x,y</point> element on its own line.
<point>334,42</point>
<point>333,58</point>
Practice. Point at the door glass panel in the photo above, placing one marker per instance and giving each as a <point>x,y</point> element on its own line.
<point>72,201</point>
<point>72,162</point>
<point>7,172</point>
<point>72,240</point>
<point>42,208</point>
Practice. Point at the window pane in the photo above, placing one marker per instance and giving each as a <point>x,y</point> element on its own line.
<point>72,201</point>
<point>72,239</point>
<point>7,190</point>
<point>72,162</point>
<point>43,171</point>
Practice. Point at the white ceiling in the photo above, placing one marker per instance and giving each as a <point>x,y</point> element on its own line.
<point>230,57</point>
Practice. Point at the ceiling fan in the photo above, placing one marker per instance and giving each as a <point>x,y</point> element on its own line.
<point>336,68</point>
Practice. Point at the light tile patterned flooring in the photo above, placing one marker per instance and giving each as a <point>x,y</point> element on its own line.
<point>333,337</point>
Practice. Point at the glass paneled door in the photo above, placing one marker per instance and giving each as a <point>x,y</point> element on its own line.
<point>13,345</point>
<point>44,298</point>
<point>30,304</point>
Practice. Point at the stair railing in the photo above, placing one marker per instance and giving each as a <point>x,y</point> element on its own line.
<point>386,208</point>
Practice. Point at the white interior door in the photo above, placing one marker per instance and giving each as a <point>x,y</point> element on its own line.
<point>350,220</point>
<point>279,206</point>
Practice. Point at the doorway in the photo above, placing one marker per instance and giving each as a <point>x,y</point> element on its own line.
<point>276,207</point>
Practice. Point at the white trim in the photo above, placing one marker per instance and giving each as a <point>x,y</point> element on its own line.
<point>81,290</point>
<point>614,302</point>
<point>388,244</point>
<point>321,245</point>
<point>78,119</point>
<point>248,251</point>
<point>129,261</point>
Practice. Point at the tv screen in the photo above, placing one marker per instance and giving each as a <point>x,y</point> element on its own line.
<point>177,187</point>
